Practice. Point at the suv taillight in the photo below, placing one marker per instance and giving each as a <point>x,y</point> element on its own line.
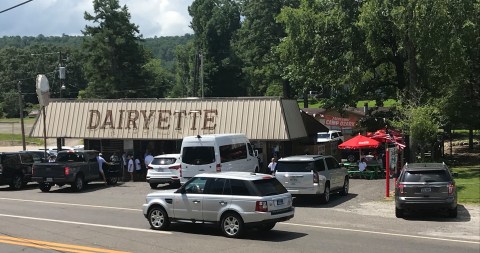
<point>401,188</point>
<point>315,177</point>
<point>451,188</point>
<point>176,167</point>
<point>261,206</point>
<point>66,171</point>
<point>219,167</point>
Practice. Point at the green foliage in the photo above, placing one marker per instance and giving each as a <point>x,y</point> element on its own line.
<point>468,184</point>
<point>114,57</point>
<point>216,66</point>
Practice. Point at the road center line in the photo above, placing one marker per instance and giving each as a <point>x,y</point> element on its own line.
<point>380,233</point>
<point>88,224</point>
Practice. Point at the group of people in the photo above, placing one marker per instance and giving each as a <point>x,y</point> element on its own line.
<point>132,164</point>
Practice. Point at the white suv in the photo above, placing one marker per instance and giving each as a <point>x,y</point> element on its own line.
<point>233,200</point>
<point>164,169</point>
<point>332,135</point>
<point>314,175</point>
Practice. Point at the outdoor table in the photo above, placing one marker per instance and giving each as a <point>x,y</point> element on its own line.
<point>373,171</point>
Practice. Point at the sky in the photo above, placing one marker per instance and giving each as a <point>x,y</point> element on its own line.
<point>57,17</point>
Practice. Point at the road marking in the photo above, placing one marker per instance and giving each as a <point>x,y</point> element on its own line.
<point>70,204</point>
<point>88,224</point>
<point>381,233</point>
<point>292,224</point>
<point>53,246</point>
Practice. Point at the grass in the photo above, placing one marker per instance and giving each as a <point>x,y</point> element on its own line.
<point>18,138</point>
<point>17,120</point>
<point>468,184</point>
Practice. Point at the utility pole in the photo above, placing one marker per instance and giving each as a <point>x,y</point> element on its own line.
<point>20,103</point>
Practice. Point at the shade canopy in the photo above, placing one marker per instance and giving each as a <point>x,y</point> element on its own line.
<point>359,142</point>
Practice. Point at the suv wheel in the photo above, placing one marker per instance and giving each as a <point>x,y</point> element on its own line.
<point>326,195</point>
<point>158,218</point>
<point>346,185</point>
<point>44,187</point>
<point>399,213</point>
<point>452,213</point>
<point>17,182</point>
<point>232,225</point>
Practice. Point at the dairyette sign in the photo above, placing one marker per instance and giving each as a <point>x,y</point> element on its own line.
<point>143,119</point>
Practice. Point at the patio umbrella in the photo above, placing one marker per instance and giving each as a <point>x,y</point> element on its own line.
<point>359,142</point>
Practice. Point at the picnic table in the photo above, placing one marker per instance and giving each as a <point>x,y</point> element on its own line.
<point>373,171</point>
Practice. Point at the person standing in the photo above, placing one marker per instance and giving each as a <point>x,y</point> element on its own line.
<point>272,165</point>
<point>101,161</point>
<point>138,166</point>
<point>130,166</point>
<point>362,165</point>
<point>148,159</point>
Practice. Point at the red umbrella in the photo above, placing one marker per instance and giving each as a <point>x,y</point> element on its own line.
<point>359,142</point>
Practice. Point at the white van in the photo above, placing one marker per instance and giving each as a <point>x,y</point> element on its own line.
<point>216,153</point>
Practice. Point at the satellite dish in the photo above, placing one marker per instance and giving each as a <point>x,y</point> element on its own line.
<point>43,90</point>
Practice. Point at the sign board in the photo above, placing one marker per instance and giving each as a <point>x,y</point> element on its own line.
<point>43,90</point>
<point>338,121</point>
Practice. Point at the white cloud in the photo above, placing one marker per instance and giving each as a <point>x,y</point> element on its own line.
<point>57,17</point>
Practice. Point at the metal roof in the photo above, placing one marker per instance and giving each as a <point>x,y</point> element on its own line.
<point>262,118</point>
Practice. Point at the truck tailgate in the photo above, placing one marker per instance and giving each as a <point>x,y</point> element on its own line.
<point>53,170</point>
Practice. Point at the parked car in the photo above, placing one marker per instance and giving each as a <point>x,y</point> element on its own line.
<point>332,135</point>
<point>164,169</point>
<point>425,186</point>
<point>40,155</point>
<point>315,175</point>
<point>233,200</point>
<point>15,169</point>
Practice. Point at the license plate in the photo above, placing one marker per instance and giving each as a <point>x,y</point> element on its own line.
<point>279,202</point>
<point>292,179</point>
<point>49,179</point>
<point>426,190</point>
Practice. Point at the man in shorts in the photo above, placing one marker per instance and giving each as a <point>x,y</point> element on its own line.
<point>102,161</point>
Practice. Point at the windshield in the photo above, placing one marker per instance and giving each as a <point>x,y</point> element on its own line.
<point>323,135</point>
<point>294,166</point>
<point>426,176</point>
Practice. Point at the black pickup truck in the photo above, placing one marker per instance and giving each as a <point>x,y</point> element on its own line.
<point>74,167</point>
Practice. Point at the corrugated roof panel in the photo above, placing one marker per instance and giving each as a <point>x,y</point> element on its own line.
<point>172,119</point>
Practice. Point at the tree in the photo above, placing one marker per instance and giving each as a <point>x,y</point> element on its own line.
<point>321,51</point>
<point>217,69</point>
<point>255,44</point>
<point>114,58</point>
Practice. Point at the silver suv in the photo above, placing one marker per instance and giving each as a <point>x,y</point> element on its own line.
<point>312,175</point>
<point>234,200</point>
<point>427,186</point>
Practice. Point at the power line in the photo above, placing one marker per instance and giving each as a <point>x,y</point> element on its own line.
<point>15,6</point>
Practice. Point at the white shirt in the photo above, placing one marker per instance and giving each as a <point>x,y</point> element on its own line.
<point>362,166</point>
<point>272,166</point>
<point>130,165</point>
<point>148,159</point>
<point>100,161</point>
<point>138,165</point>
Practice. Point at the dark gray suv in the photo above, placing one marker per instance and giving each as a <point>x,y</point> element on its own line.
<point>426,186</point>
<point>15,169</point>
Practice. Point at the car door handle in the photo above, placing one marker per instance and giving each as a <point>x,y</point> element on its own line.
<point>222,203</point>
<point>196,201</point>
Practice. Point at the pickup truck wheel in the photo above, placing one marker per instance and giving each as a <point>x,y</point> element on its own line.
<point>45,187</point>
<point>325,197</point>
<point>17,182</point>
<point>346,185</point>
<point>112,180</point>
<point>79,184</point>
<point>158,218</point>
<point>231,225</point>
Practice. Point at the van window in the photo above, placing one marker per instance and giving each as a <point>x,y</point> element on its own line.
<point>237,187</point>
<point>198,155</point>
<point>294,166</point>
<point>250,149</point>
<point>233,152</point>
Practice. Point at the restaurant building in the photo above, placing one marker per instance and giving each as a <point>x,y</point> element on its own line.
<point>275,126</point>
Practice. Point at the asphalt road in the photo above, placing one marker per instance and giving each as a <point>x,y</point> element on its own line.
<point>109,219</point>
